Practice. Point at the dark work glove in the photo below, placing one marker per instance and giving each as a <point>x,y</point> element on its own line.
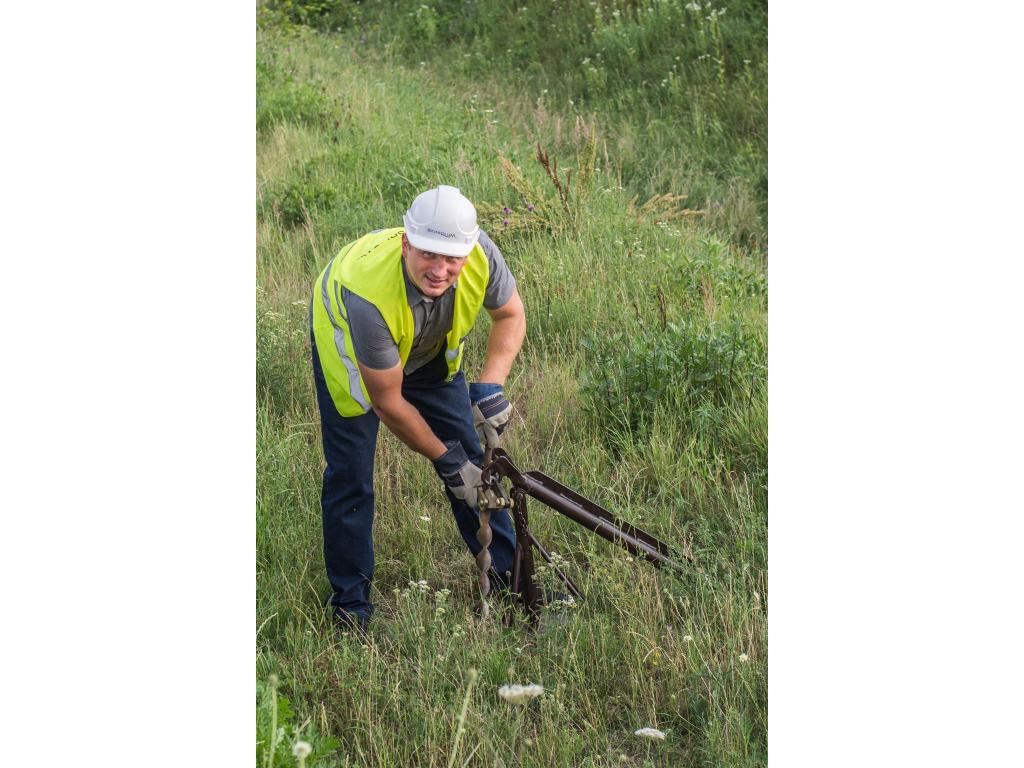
<point>460,474</point>
<point>491,412</point>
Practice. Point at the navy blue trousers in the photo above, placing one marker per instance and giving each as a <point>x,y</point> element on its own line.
<point>347,500</point>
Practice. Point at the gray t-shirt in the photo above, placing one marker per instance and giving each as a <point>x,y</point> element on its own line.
<point>432,318</point>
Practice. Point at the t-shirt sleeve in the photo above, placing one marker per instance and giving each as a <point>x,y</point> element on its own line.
<point>370,335</point>
<point>500,283</point>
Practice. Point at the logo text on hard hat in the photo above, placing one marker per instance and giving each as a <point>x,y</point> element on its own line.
<point>439,232</point>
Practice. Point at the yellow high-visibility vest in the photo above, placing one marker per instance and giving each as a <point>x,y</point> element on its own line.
<point>371,267</point>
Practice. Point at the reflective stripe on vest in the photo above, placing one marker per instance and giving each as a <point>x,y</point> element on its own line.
<point>355,389</point>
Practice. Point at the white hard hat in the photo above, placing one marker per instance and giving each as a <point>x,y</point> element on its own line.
<point>442,221</point>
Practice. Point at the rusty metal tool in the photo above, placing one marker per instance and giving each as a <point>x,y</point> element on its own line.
<point>498,466</point>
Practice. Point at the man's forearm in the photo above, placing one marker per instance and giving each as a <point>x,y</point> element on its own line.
<point>503,345</point>
<point>406,423</point>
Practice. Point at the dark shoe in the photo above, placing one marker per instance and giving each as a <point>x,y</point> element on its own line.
<point>350,623</point>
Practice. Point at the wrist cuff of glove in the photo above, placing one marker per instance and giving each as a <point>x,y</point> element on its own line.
<point>449,462</point>
<point>479,390</point>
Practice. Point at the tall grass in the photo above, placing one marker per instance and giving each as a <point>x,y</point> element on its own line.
<point>641,385</point>
<point>681,85</point>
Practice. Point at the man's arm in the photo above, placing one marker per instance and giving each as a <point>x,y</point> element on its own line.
<point>400,416</point>
<point>507,334</point>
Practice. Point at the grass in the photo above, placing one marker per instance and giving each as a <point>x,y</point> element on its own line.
<point>641,385</point>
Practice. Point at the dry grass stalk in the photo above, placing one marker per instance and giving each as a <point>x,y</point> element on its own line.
<point>661,208</point>
<point>708,292</point>
<point>550,167</point>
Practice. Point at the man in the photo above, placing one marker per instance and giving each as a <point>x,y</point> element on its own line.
<point>390,315</point>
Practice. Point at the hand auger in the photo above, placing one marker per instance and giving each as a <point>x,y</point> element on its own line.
<point>497,467</point>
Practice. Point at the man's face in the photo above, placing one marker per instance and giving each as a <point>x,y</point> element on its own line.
<point>432,273</point>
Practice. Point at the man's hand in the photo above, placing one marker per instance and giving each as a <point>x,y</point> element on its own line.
<point>491,412</point>
<point>460,474</point>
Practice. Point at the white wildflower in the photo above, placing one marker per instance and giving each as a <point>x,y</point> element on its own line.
<point>744,658</point>
<point>687,638</point>
<point>424,518</point>
<point>520,694</point>
<point>302,749</point>
<point>692,6</point>
<point>649,733</point>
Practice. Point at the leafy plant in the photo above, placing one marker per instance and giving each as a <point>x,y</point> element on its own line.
<point>277,733</point>
<point>715,265</point>
<point>298,197</point>
<point>281,98</point>
<point>320,14</point>
<point>684,364</point>
<point>423,22</point>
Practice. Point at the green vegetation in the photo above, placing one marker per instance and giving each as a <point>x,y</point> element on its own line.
<point>277,733</point>
<point>633,216</point>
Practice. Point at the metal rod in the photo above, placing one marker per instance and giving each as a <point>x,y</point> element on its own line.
<point>517,565</point>
<point>530,597</point>
<point>514,581</point>
<point>596,509</point>
<point>603,527</point>
<point>580,509</point>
